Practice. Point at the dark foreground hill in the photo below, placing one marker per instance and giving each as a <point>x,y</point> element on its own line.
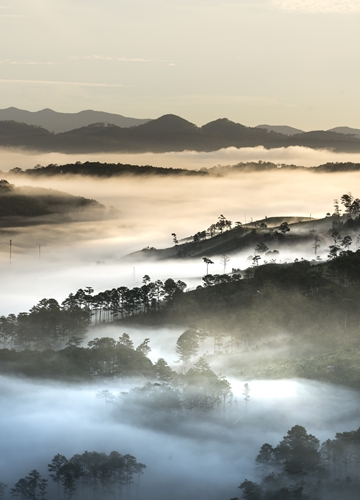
<point>165,134</point>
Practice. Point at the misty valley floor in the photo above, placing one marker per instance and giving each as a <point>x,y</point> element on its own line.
<point>187,455</point>
<point>202,457</point>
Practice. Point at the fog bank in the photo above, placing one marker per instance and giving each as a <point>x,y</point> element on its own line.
<point>78,254</point>
<point>198,458</point>
<point>296,155</point>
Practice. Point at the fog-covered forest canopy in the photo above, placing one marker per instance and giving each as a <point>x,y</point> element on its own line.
<point>300,467</point>
<point>196,352</point>
<point>239,311</point>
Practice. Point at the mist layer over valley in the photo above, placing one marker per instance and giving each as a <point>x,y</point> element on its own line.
<point>204,457</point>
<point>268,354</point>
<point>147,211</point>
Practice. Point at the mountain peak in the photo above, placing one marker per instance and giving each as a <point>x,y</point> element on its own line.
<point>169,122</point>
<point>221,126</point>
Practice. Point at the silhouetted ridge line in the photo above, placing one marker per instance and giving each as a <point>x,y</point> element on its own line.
<point>166,134</point>
<point>62,122</point>
<point>97,169</point>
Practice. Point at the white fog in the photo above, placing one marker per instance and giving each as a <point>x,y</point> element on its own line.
<point>79,254</point>
<point>207,458</point>
<point>202,458</point>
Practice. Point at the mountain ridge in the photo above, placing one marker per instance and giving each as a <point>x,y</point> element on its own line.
<point>168,133</point>
<point>58,122</point>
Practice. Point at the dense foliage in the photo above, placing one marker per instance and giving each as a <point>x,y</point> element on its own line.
<point>300,468</point>
<point>50,325</point>
<point>91,473</point>
<point>103,358</point>
<point>198,390</point>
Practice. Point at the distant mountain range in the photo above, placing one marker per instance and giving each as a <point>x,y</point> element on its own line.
<point>165,134</point>
<point>284,129</point>
<point>63,122</point>
<point>281,129</point>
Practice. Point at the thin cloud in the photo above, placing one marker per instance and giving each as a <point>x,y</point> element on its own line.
<point>52,82</point>
<point>320,6</point>
<point>9,61</point>
<point>256,100</point>
<point>119,59</point>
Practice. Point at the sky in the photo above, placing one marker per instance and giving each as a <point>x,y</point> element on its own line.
<point>278,62</point>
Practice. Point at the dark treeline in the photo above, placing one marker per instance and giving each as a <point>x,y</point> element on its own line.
<point>299,467</point>
<point>105,170</point>
<point>97,169</point>
<point>91,474</point>
<point>303,297</point>
<point>102,358</point>
<point>52,325</point>
<point>315,303</point>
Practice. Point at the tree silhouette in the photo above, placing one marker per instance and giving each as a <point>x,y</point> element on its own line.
<point>187,345</point>
<point>3,487</point>
<point>207,262</point>
<point>31,487</point>
<point>316,244</point>
<point>284,228</point>
<point>261,248</point>
<point>224,260</point>
<point>298,452</point>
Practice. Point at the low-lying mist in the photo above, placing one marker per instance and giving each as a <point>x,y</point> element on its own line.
<point>296,155</point>
<point>194,455</point>
<point>205,456</point>
<point>79,254</point>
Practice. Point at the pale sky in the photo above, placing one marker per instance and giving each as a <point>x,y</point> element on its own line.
<point>293,62</point>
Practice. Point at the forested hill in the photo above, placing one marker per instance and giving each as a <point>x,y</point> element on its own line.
<point>165,134</point>
<point>99,169</point>
<point>28,202</point>
<point>264,236</point>
<point>271,321</point>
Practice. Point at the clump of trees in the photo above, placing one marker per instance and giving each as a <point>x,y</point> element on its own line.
<point>102,358</point>
<point>52,325</point>
<point>198,390</point>
<point>299,467</point>
<point>88,474</point>
<point>217,279</point>
<point>187,345</point>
